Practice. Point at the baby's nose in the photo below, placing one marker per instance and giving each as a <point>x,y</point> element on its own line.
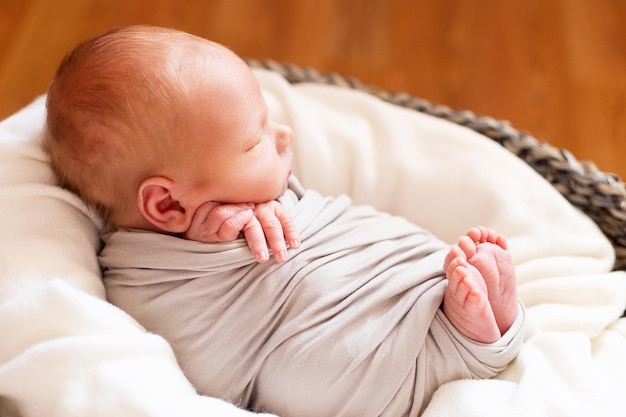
<point>284,136</point>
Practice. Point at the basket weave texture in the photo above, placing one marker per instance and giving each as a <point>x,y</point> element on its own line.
<point>601,196</point>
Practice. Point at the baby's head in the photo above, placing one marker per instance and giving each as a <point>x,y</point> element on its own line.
<point>146,124</point>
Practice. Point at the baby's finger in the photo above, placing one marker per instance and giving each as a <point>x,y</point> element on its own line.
<point>199,229</point>
<point>290,232</point>
<point>253,232</point>
<point>273,229</point>
<point>231,227</point>
<point>222,212</point>
<point>201,214</point>
<point>209,218</point>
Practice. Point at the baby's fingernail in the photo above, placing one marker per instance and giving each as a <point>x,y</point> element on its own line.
<point>262,256</point>
<point>295,244</point>
<point>281,256</point>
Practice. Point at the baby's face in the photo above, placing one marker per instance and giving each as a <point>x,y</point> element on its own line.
<point>234,152</point>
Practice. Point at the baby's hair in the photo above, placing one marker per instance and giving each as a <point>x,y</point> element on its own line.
<point>110,96</point>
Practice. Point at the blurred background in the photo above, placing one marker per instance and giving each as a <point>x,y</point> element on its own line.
<point>554,68</point>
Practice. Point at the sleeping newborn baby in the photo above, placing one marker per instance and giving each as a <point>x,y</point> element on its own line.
<point>360,313</point>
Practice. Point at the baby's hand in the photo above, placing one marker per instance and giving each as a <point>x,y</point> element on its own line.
<point>260,224</point>
<point>275,225</point>
<point>215,222</point>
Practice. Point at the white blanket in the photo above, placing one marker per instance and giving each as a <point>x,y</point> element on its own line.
<point>64,351</point>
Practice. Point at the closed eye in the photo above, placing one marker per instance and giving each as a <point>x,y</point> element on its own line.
<point>255,144</point>
<point>261,135</point>
<point>259,140</point>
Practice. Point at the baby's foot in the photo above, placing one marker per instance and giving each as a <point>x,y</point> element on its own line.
<point>481,298</point>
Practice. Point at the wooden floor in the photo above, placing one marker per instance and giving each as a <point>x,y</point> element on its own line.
<point>555,68</point>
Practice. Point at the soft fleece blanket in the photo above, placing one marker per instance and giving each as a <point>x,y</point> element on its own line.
<point>65,351</point>
<point>355,307</point>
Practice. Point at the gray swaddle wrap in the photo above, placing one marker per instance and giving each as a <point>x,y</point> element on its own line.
<point>350,325</point>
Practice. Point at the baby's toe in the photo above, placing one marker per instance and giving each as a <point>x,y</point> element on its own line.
<point>468,246</point>
<point>453,253</point>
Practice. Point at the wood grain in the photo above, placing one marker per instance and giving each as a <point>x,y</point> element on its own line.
<point>555,68</point>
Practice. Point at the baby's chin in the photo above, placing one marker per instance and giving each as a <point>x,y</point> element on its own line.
<point>286,184</point>
<point>282,190</point>
<point>274,194</point>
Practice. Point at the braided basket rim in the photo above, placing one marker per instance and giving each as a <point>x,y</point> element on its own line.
<point>601,196</point>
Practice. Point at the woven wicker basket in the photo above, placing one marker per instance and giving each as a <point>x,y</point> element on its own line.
<point>600,195</point>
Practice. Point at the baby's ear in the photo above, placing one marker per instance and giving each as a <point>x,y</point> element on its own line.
<point>156,204</point>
